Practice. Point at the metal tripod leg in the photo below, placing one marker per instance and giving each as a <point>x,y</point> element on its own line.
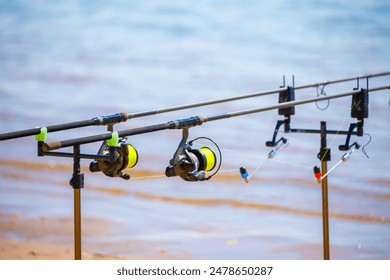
<point>325,212</point>
<point>77,182</point>
<point>77,224</point>
<point>324,156</point>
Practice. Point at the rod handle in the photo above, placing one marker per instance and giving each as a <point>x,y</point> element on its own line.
<point>185,123</point>
<point>51,146</point>
<point>111,119</point>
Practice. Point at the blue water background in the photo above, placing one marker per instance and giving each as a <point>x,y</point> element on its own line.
<point>62,61</point>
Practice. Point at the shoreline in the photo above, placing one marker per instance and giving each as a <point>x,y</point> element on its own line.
<point>46,238</point>
<point>11,249</point>
<point>51,238</point>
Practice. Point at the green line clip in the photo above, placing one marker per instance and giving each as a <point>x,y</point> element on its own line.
<point>113,142</point>
<point>41,137</point>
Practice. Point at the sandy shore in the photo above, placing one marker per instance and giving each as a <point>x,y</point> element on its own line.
<point>46,238</point>
<point>31,250</point>
<point>51,238</point>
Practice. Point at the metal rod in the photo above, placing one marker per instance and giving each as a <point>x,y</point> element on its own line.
<point>101,137</point>
<point>343,80</point>
<point>316,131</point>
<point>325,210</point>
<point>325,156</point>
<point>70,155</point>
<point>122,117</point>
<point>204,103</point>
<point>52,128</point>
<point>193,121</point>
<point>77,182</point>
<point>77,223</point>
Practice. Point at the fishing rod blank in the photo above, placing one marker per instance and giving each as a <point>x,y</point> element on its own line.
<point>104,120</point>
<point>287,104</point>
<point>178,124</point>
<point>250,95</point>
<point>204,103</point>
<point>192,121</point>
<point>123,117</point>
<point>367,76</point>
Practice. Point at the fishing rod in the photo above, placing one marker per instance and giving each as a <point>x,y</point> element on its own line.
<point>192,121</point>
<point>123,117</point>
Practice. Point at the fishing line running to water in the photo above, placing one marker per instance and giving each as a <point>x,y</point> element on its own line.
<point>334,138</point>
<point>265,160</point>
<point>149,177</point>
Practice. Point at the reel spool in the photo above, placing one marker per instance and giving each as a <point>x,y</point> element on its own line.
<point>120,157</point>
<point>192,164</point>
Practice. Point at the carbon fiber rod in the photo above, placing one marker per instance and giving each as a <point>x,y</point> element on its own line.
<point>286,104</point>
<point>194,121</point>
<point>343,80</point>
<point>122,117</point>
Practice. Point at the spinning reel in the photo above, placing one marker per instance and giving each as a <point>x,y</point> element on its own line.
<point>192,164</point>
<point>115,158</point>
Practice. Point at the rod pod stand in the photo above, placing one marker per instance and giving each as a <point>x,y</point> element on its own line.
<point>77,183</point>
<point>77,180</point>
<point>324,156</point>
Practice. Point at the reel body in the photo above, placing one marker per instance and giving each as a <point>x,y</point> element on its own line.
<point>118,158</point>
<point>192,164</point>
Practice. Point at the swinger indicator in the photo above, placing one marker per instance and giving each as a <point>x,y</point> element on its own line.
<point>244,174</point>
<point>347,155</point>
<point>280,145</point>
<point>317,174</point>
<point>343,158</point>
<point>272,154</point>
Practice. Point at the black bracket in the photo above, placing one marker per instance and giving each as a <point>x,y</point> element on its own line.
<point>287,95</point>
<point>324,154</point>
<point>77,180</point>
<point>347,146</point>
<point>273,142</point>
<point>359,106</point>
<point>359,110</point>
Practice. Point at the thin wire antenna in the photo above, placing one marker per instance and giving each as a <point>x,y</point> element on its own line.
<point>364,146</point>
<point>319,93</point>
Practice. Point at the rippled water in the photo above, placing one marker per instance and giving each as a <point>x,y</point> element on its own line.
<point>64,61</point>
